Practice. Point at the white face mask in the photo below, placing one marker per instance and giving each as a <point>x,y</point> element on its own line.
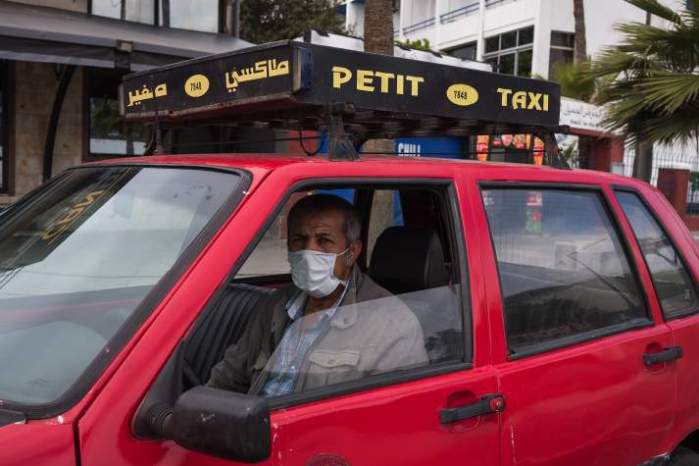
<point>312,271</point>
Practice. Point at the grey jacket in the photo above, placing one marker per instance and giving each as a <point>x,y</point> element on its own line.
<point>371,332</point>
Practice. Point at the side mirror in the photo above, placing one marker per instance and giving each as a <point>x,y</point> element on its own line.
<point>219,423</point>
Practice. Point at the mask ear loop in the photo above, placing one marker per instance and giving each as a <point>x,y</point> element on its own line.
<point>348,257</point>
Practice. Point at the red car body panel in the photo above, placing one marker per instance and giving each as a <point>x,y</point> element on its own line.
<point>48,442</point>
<point>590,403</point>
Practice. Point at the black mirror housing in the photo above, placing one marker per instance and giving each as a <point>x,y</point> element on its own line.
<point>222,423</point>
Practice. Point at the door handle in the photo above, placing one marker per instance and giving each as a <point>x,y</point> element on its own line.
<point>488,404</point>
<point>666,355</point>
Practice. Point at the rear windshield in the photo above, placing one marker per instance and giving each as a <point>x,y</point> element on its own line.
<point>78,258</point>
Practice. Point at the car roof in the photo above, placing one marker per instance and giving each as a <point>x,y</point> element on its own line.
<point>263,163</point>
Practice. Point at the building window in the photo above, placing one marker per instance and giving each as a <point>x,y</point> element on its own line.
<point>562,50</point>
<point>511,52</point>
<point>196,15</point>
<point>5,115</point>
<point>466,51</point>
<point>106,133</point>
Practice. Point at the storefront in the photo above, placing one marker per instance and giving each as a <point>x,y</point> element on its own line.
<point>59,76</point>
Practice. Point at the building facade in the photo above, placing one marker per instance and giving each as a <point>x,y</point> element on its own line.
<point>61,62</point>
<point>521,37</point>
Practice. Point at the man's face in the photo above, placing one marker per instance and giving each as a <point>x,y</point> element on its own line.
<point>322,231</point>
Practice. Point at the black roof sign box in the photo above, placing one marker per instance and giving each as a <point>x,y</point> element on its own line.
<point>291,83</point>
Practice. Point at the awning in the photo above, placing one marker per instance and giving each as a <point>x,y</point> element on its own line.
<point>38,34</point>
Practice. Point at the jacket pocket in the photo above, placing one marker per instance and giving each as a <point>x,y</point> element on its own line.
<point>332,359</point>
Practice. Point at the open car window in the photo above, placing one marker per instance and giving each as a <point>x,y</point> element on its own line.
<point>78,258</point>
<point>402,311</point>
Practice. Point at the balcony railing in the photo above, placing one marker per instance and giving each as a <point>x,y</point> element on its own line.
<point>492,3</point>
<point>418,26</point>
<point>453,15</point>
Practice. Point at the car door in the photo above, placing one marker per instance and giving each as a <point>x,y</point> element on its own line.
<point>674,269</point>
<point>576,365</point>
<point>434,413</point>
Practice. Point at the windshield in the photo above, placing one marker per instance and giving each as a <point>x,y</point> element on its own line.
<point>78,259</point>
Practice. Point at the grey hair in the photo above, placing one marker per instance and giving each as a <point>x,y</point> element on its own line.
<point>352,225</point>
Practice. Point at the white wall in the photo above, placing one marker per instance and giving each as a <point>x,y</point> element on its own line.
<point>417,11</point>
<point>601,16</point>
<point>509,16</point>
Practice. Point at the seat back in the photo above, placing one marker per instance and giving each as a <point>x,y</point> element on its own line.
<point>221,327</point>
<point>409,261</point>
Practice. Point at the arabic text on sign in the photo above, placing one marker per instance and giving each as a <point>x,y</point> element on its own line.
<point>136,97</point>
<point>261,70</point>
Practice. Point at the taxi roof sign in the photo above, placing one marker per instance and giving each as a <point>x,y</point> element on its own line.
<point>289,84</point>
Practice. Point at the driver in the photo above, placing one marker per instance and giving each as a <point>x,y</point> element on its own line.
<point>332,325</point>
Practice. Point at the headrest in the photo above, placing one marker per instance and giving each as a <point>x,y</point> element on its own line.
<point>407,258</point>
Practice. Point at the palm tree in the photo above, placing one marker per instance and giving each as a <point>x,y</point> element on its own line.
<point>651,81</point>
<point>378,38</point>
<point>580,38</point>
<point>378,26</point>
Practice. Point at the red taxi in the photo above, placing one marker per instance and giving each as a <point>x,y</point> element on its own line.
<point>558,311</point>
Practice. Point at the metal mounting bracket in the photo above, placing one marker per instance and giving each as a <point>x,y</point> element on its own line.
<point>340,145</point>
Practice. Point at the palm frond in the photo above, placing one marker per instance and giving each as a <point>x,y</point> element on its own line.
<point>668,92</point>
<point>655,8</point>
<point>679,127</point>
<point>649,83</point>
<point>575,80</point>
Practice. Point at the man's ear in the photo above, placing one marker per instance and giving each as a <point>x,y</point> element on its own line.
<point>355,249</point>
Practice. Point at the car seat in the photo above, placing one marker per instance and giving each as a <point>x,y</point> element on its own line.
<point>409,262</point>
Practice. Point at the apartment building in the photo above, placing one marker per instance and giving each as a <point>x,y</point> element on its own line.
<point>520,37</point>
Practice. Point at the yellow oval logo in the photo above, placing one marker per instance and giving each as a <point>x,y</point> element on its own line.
<point>196,85</point>
<point>462,95</point>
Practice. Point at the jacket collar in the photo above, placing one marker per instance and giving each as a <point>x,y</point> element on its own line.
<point>345,316</point>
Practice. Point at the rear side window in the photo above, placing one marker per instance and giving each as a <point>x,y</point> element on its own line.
<point>673,284</point>
<point>563,272</point>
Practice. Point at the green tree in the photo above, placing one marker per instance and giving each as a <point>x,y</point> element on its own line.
<point>575,80</point>
<point>269,20</point>
<point>417,44</point>
<point>651,81</point>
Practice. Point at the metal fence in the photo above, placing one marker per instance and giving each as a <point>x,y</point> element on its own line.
<point>672,157</point>
<point>693,194</point>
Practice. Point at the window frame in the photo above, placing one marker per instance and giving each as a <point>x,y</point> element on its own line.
<point>156,14</point>
<point>496,55</point>
<point>626,249</point>
<point>671,241</point>
<point>471,44</point>
<point>561,48</point>
<point>461,267</point>
<point>7,72</point>
<point>157,20</point>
